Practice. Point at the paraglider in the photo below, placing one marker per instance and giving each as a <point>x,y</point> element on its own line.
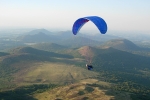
<point>99,23</point>
<point>89,67</point>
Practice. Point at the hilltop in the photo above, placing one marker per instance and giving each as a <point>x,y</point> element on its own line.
<point>38,37</point>
<point>53,47</point>
<point>35,31</point>
<point>126,45</point>
<point>122,44</point>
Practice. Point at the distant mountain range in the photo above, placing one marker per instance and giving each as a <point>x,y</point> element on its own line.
<point>36,31</point>
<point>63,37</point>
<point>39,37</point>
<point>66,38</point>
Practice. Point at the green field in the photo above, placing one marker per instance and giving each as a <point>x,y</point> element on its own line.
<point>47,72</point>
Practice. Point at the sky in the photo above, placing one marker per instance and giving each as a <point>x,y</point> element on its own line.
<point>121,15</point>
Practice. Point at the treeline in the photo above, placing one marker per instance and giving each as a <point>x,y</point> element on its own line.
<point>119,66</point>
<point>135,91</point>
<point>128,71</point>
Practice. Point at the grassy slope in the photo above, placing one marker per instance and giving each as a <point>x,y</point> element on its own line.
<point>47,72</point>
<point>82,91</point>
<point>24,62</point>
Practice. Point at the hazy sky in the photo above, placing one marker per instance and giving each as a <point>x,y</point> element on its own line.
<point>129,15</point>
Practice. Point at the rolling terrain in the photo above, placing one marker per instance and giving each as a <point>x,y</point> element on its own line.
<point>53,71</point>
<point>37,66</point>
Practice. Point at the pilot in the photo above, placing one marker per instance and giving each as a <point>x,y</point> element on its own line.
<point>89,67</point>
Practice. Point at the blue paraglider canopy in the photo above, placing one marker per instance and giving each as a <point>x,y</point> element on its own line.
<point>99,22</point>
